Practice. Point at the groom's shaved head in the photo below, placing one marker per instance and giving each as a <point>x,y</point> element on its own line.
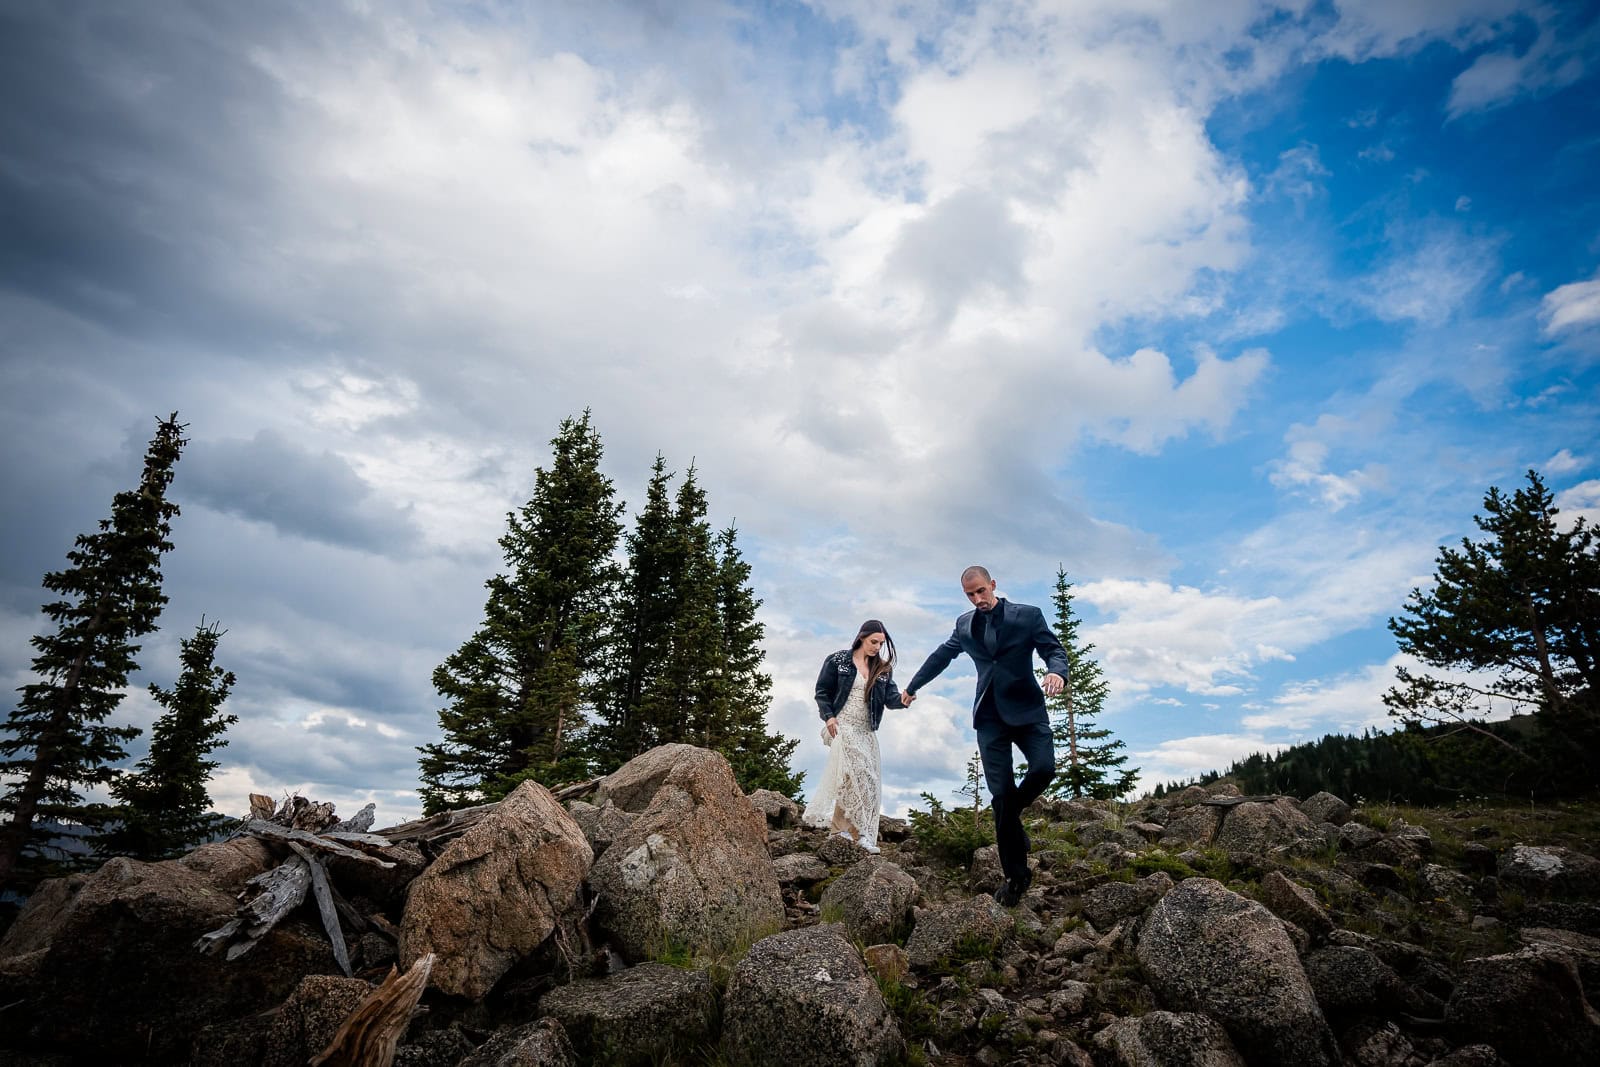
<point>975,571</point>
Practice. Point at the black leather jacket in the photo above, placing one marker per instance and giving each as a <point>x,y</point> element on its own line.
<point>838,677</point>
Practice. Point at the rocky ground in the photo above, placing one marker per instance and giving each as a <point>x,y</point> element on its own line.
<point>665,917</point>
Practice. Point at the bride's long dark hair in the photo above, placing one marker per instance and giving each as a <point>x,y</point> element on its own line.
<point>881,664</point>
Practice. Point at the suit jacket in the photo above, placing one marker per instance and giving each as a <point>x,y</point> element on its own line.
<point>1008,670</point>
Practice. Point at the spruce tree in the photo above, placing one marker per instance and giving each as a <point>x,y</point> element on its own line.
<point>640,629</point>
<point>57,738</point>
<point>165,808</point>
<point>743,692</point>
<point>1518,614</point>
<point>686,663</point>
<point>518,686</point>
<point>1087,764</point>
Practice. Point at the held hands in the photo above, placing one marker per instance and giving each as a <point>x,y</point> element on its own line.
<point>906,699</point>
<point>1053,684</point>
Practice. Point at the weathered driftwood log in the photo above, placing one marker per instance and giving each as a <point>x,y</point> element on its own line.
<point>261,806</point>
<point>323,892</point>
<point>1233,802</point>
<point>577,789</point>
<point>279,891</point>
<point>440,827</point>
<point>273,831</point>
<point>301,814</point>
<point>358,823</point>
<point>373,1031</point>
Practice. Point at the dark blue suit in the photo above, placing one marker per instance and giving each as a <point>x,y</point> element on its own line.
<point>1007,709</point>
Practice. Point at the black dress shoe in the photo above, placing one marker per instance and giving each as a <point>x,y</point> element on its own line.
<point>1024,882</point>
<point>1008,895</point>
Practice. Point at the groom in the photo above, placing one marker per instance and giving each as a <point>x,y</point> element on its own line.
<point>1001,637</point>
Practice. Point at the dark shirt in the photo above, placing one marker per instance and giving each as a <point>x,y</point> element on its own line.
<point>981,621</point>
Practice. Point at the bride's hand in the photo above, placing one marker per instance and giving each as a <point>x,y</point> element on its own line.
<point>833,727</point>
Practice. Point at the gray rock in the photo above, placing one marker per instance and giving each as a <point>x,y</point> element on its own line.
<point>1109,903</point>
<point>645,1014</point>
<point>1355,836</point>
<point>304,1024</point>
<point>1292,901</point>
<point>1325,807</point>
<point>892,829</point>
<point>800,868</point>
<point>984,873</point>
<point>117,969</point>
<point>837,851</point>
<point>1551,868</point>
<point>1206,948</point>
<point>804,997</point>
<point>1192,825</point>
<point>1529,1005</point>
<point>939,932</point>
<point>1444,883</point>
<point>692,868</point>
<point>874,897</point>
<point>780,812</point>
<point>538,1044</point>
<point>1471,1056</point>
<point>1150,831</point>
<point>1168,1039</point>
<point>1257,827</point>
<point>1348,979</point>
<point>600,826</point>
<point>1584,950</point>
<point>496,893</point>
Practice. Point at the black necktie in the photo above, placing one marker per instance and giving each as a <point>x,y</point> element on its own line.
<point>991,640</point>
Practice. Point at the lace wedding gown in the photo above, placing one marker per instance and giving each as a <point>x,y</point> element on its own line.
<point>847,797</point>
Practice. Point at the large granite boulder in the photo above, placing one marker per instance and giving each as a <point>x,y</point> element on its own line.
<point>941,931</point>
<point>1349,979</point>
<point>116,968</point>
<point>780,812</point>
<point>692,868</point>
<point>804,997</point>
<point>1325,807</point>
<point>1259,826</point>
<point>1193,824</point>
<point>497,893</point>
<point>537,1044</point>
<point>651,1013</point>
<point>1168,1039</point>
<point>874,899</point>
<point>600,826</point>
<point>306,1023</point>
<point>1551,869</point>
<point>1208,949</point>
<point>1529,1005</point>
<point>1294,902</point>
<point>1109,903</point>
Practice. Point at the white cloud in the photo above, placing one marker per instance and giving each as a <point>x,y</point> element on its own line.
<point>1580,501</point>
<point>1564,462</point>
<point>1573,306</point>
<point>1188,757</point>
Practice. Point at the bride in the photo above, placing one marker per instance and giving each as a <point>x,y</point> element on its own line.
<point>854,687</point>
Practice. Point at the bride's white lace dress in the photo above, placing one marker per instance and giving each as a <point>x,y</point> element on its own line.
<point>848,796</point>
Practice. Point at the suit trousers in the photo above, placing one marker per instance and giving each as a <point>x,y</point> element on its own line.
<point>1011,797</point>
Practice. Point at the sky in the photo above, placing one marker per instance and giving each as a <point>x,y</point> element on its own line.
<point>1233,310</point>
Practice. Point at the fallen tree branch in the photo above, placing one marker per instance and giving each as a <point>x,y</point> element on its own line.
<point>273,831</point>
<point>323,893</point>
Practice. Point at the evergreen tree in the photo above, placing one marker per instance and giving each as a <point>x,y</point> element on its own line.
<point>518,686</point>
<point>742,695</point>
<point>57,735</point>
<point>640,631</point>
<point>1519,613</point>
<point>165,808</point>
<point>686,660</point>
<point>1087,764</point>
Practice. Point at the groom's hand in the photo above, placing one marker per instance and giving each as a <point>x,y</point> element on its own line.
<point>1053,684</point>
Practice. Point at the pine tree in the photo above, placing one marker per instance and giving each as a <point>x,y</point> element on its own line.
<point>743,693</point>
<point>640,630</point>
<point>165,808</point>
<point>1520,613</point>
<point>518,686</point>
<point>686,660</point>
<point>1086,763</point>
<point>58,738</point>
